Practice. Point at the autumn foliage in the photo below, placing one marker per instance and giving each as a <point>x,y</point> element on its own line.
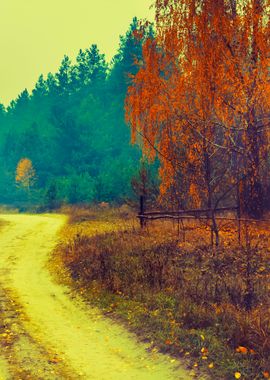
<point>25,173</point>
<point>201,101</point>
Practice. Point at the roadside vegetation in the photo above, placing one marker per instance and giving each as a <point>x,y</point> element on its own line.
<point>208,306</point>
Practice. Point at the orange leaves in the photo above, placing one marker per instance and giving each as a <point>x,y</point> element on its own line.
<point>171,100</point>
<point>195,195</point>
<point>23,167</point>
<point>25,173</point>
<point>204,351</point>
<point>200,84</point>
<point>242,350</point>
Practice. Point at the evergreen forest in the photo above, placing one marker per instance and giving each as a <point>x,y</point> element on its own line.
<point>72,129</point>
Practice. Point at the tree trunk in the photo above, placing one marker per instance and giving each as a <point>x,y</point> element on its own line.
<point>253,189</point>
<point>215,228</point>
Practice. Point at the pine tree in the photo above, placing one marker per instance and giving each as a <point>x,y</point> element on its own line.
<point>63,76</point>
<point>21,103</point>
<point>41,88</point>
<point>90,72</point>
<point>124,62</point>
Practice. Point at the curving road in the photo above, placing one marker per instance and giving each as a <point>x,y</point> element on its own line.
<point>47,334</point>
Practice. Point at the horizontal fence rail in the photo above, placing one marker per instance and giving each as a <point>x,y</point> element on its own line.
<point>168,216</point>
<point>186,212</point>
<point>206,214</point>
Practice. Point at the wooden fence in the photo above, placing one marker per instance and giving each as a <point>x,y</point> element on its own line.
<point>218,214</point>
<point>180,214</point>
<point>199,214</point>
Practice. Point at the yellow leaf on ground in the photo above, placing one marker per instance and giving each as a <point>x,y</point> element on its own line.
<point>204,350</point>
<point>237,375</point>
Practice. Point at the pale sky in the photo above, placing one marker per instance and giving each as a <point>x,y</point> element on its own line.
<point>35,35</point>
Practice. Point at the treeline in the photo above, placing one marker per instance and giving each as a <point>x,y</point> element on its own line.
<point>72,129</point>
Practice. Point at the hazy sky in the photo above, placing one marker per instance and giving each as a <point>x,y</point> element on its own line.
<point>35,34</point>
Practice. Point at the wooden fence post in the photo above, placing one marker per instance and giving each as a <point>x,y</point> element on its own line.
<point>239,213</point>
<point>142,209</point>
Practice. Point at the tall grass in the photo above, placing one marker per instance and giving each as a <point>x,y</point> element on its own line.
<point>211,305</point>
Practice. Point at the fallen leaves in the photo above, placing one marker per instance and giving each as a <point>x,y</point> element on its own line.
<point>241,349</point>
<point>54,360</point>
<point>204,350</point>
<point>244,350</point>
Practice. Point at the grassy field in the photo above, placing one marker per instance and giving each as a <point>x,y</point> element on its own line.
<point>208,306</point>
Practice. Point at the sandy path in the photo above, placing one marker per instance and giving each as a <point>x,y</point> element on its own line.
<point>4,373</point>
<point>85,344</point>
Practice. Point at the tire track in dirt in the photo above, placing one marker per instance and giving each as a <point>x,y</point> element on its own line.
<point>66,338</point>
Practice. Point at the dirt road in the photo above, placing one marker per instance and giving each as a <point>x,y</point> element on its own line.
<point>47,334</point>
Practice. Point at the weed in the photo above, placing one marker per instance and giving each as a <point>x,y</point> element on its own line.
<point>185,298</point>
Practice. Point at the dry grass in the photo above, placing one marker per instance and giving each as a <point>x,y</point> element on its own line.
<point>2,223</point>
<point>100,213</point>
<point>184,296</point>
<point>4,209</point>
